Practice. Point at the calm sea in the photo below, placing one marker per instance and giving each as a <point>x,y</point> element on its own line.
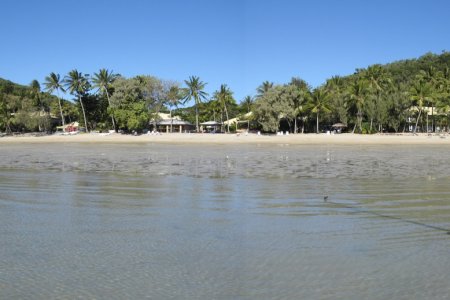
<point>115,221</point>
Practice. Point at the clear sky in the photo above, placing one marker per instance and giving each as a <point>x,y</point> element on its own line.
<point>239,43</point>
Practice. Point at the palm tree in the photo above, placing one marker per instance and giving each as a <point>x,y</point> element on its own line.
<point>248,102</point>
<point>224,95</point>
<point>336,87</point>
<point>78,85</point>
<point>36,95</point>
<point>5,113</point>
<point>195,91</point>
<point>430,76</point>
<point>357,95</point>
<point>299,91</point>
<point>263,88</point>
<point>102,81</point>
<point>421,92</point>
<point>319,103</point>
<point>334,83</point>
<point>36,91</point>
<point>53,83</point>
<point>174,96</point>
<point>377,80</point>
<point>215,108</point>
<point>444,105</point>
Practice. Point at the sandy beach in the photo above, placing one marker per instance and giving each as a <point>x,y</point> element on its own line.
<point>185,138</point>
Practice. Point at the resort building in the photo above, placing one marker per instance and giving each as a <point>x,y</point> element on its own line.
<point>166,123</point>
<point>211,127</point>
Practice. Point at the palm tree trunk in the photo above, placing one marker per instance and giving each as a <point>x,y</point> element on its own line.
<point>295,125</point>
<point>7,125</point>
<point>171,120</point>
<point>228,120</point>
<point>359,117</point>
<point>61,111</point>
<point>112,111</point>
<point>84,113</point>
<point>317,122</point>
<point>417,121</point>
<point>432,118</point>
<point>196,118</point>
<point>448,122</point>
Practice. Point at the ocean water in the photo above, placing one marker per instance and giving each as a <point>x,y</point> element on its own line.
<point>156,221</point>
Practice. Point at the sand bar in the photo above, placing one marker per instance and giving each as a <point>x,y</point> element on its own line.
<point>294,139</point>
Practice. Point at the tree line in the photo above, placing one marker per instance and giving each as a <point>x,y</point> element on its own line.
<point>401,96</point>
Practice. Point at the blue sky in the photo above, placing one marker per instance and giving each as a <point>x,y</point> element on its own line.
<point>239,43</point>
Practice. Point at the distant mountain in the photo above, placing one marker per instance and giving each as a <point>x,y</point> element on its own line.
<point>9,87</point>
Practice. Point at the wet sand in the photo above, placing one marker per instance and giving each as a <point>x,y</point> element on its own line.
<point>294,139</point>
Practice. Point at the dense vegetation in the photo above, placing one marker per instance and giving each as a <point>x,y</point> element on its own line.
<point>408,95</point>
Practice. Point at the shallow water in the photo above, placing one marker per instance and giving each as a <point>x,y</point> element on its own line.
<point>224,222</point>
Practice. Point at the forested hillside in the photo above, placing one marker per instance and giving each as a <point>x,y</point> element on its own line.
<point>407,95</point>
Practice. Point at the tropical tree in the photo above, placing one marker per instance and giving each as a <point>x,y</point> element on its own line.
<point>5,111</point>
<point>36,91</point>
<point>155,94</point>
<point>431,76</point>
<point>263,88</point>
<point>319,103</point>
<point>248,103</point>
<point>273,106</point>
<point>357,95</point>
<point>224,96</point>
<point>53,83</point>
<point>398,106</point>
<point>38,105</point>
<point>195,90</point>
<point>299,91</point>
<point>11,97</point>
<point>378,81</point>
<point>421,92</point>
<point>78,85</point>
<point>130,106</point>
<point>214,108</point>
<point>444,93</point>
<point>336,88</point>
<point>102,81</point>
<point>174,97</point>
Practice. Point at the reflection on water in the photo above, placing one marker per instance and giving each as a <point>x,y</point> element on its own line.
<point>217,231</point>
<point>218,161</point>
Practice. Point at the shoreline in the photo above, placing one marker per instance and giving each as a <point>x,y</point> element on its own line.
<point>205,138</point>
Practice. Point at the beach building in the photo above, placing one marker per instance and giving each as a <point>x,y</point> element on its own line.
<point>211,127</point>
<point>166,123</point>
<point>435,119</point>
